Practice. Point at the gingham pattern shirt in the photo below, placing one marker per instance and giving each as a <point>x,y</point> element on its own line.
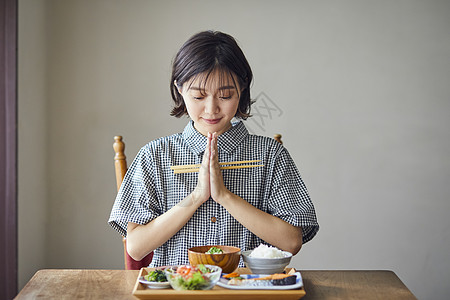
<point>150,188</point>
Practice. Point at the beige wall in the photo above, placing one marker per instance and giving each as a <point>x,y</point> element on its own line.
<point>33,187</point>
<point>363,105</point>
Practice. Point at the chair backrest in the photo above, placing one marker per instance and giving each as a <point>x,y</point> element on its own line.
<point>120,160</point>
<point>277,138</point>
<point>120,166</point>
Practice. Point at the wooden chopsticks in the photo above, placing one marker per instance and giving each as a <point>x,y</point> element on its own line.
<point>223,166</point>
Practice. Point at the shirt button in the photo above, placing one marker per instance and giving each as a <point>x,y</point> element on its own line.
<point>213,219</point>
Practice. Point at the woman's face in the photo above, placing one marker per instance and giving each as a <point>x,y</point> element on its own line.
<point>212,105</point>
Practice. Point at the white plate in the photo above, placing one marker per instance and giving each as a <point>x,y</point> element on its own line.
<point>154,284</point>
<point>223,282</point>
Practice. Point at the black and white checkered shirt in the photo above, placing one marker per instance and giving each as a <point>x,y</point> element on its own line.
<point>150,188</point>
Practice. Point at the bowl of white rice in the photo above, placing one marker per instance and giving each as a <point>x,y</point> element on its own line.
<point>266,259</point>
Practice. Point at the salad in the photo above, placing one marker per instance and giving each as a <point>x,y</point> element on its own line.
<point>156,276</point>
<point>198,277</point>
<point>214,250</point>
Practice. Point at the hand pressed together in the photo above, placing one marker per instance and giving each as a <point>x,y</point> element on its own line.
<point>210,180</point>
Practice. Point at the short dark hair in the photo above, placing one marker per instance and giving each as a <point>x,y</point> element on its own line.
<point>205,52</point>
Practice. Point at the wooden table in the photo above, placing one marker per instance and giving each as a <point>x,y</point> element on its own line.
<point>118,284</point>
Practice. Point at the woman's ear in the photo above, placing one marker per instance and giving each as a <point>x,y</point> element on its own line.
<point>178,87</point>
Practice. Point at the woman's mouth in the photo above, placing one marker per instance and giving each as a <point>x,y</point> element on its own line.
<point>212,121</point>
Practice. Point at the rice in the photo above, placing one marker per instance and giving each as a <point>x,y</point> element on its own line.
<point>264,251</point>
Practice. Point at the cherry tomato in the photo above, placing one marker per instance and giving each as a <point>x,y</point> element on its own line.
<point>185,271</point>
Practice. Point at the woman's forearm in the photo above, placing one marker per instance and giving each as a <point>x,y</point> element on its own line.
<point>271,229</point>
<point>143,239</point>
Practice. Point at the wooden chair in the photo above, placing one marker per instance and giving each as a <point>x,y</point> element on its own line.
<point>120,163</point>
<point>277,138</point>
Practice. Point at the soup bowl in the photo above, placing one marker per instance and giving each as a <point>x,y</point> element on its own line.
<point>228,260</point>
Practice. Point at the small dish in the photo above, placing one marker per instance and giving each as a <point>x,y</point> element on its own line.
<point>223,282</point>
<point>154,284</point>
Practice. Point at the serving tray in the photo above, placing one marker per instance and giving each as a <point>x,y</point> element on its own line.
<point>142,292</point>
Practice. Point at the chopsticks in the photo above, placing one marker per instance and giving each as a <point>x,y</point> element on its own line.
<point>223,166</point>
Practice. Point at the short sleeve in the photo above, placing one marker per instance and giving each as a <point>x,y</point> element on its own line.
<point>289,199</point>
<point>136,200</point>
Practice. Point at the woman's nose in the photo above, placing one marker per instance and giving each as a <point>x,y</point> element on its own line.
<point>211,105</point>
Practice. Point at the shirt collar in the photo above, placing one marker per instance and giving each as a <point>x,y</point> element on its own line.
<point>227,141</point>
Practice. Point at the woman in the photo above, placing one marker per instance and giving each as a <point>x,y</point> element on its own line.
<point>168,213</point>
